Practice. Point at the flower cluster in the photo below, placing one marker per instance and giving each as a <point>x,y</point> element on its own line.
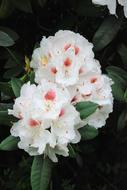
<point>66,73</point>
<point>111,4</point>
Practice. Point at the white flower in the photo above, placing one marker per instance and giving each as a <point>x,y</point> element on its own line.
<point>47,120</point>
<point>64,128</point>
<point>60,149</point>
<point>33,136</point>
<point>66,73</point>
<point>111,4</point>
<point>97,89</point>
<point>63,58</point>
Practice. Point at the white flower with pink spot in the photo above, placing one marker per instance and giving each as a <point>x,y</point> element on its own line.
<point>66,73</point>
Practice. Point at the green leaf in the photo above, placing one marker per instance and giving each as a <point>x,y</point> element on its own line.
<point>41,173</point>
<point>5,40</point>
<point>122,50</point>
<point>88,132</point>
<point>86,8</point>
<point>106,32</point>
<point>6,119</point>
<point>16,86</point>
<point>86,108</point>
<point>23,5</point>
<point>72,152</point>
<point>42,2</point>
<point>10,32</point>
<point>32,77</point>
<point>5,106</point>
<point>119,72</point>
<point>10,143</point>
<point>122,121</point>
<point>13,72</point>
<point>6,8</point>
<point>6,88</point>
<point>119,76</point>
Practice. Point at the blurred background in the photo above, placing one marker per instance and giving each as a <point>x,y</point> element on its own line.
<point>95,164</point>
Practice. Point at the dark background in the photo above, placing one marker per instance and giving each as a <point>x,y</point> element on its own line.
<point>101,163</point>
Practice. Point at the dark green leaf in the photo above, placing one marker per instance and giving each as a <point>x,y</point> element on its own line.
<point>72,152</point>
<point>5,40</point>
<point>6,8</point>
<point>13,72</point>
<point>122,121</point>
<point>119,76</point>
<point>86,108</point>
<point>32,77</point>
<point>40,173</point>
<point>42,2</point>
<point>86,8</point>
<point>122,50</point>
<point>10,32</point>
<point>23,5</point>
<point>5,106</point>
<point>10,143</point>
<point>88,132</point>
<point>106,32</point>
<point>6,119</point>
<point>16,86</point>
<point>6,88</point>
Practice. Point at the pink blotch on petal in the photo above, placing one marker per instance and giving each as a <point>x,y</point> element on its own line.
<point>93,80</point>
<point>81,70</point>
<point>50,95</point>
<point>76,50</point>
<point>74,99</point>
<point>67,46</point>
<point>54,70</point>
<point>67,62</point>
<point>33,123</point>
<point>61,112</point>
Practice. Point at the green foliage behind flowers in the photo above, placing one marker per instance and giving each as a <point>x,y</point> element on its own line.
<point>100,159</point>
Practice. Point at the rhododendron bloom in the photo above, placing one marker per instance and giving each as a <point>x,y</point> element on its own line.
<point>46,119</point>
<point>63,58</point>
<point>67,73</point>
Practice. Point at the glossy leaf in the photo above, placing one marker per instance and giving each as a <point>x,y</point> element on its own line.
<point>41,173</point>
<point>106,32</point>
<point>6,88</point>
<point>10,143</point>
<point>16,86</point>
<point>5,40</point>
<point>122,121</point>
<point>6,119</point>
<point>88,132</point>
<point>86,108</point>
